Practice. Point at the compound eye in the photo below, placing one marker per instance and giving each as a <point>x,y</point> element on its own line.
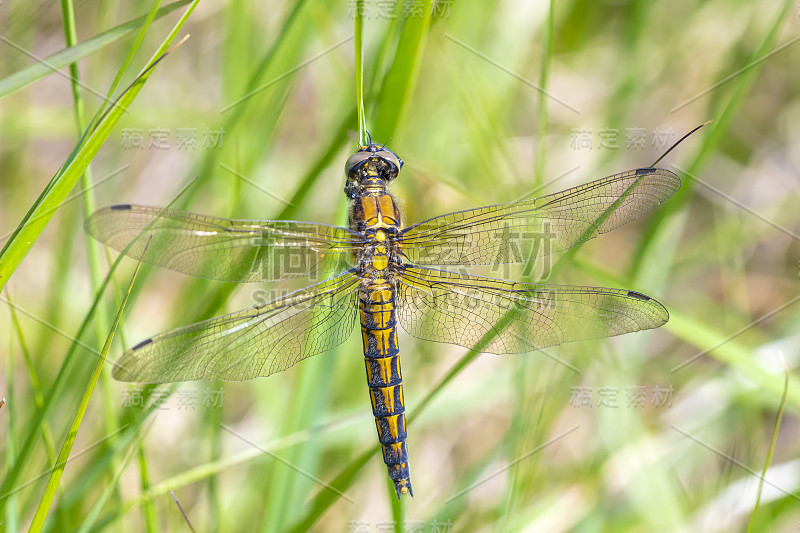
<point>391,158</point>
<point>354,161</point>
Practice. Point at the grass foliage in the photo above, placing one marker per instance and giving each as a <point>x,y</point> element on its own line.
<point>254,116</point>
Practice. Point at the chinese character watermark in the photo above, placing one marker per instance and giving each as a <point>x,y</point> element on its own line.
<point>635,396</point>
<point>184,399</point>
<point>166,139</point>
<point>409,526</point>
<point>609,138</point>
<point>388,9</point>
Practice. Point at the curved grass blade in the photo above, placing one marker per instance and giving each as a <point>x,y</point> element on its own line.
<point>71,54</point>
<point>772,443</point>
<point>52,484</point>
<point>62,183</point>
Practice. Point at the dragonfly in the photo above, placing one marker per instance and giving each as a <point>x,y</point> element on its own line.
<point>389,275</point>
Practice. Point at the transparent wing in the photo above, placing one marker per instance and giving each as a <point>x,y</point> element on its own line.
<point>223,249</point>
<point>254,342</point>
<point>458,309</point>
<point>523,231</point>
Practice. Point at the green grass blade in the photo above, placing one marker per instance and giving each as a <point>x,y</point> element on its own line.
<point>398,507</point>
<point>72,54</point>
<point>54,391</point>
<point>325,498</point>
<point>775,430</point>
<point>129,58</point>
<point>10,514</point>
<point>42,211</point>
<point>92,250</point>
<point>91,517</point>
<point>150,516</point>
<point>104,464</point>
<point>38,397</point>
<point>359,49</point>
<point>338,139</point>
<point>52,484</point>
<point>399,83</point>
<point>544,77</point>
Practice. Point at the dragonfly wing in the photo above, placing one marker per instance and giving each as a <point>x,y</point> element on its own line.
<point>523,231</point>
<point>254,342</point>
<point>223,249</point>
<point>507,317</point>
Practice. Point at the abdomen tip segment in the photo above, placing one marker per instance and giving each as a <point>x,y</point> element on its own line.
<point>403,486</point>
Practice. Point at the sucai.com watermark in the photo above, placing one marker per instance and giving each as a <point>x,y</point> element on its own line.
<point>293,254</point>
<point>616,139</point>
<point>183,399</point>
<point>168,139</point>
<point>409,526</point>
<point>388,9</point>
<point>631,397</point>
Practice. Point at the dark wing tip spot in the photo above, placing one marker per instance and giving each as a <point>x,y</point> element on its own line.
<point>121,207</point>
<point>645,170</point>
<point>639,295</point>
<point>141,344</point>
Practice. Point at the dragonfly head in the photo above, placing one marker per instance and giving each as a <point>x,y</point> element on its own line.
<point>372,164</point>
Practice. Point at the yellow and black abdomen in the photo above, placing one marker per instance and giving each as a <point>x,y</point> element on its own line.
<point>377,215</point>
<point>382,359</point>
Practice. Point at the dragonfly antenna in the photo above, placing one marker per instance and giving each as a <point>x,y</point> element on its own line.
<point>678,142</point>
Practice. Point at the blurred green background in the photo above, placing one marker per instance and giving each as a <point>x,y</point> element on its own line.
<point>486,102</point>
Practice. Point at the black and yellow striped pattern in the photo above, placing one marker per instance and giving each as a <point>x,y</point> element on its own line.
<point>382,360</point>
